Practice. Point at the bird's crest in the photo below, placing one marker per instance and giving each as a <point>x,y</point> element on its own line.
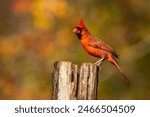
<point>81,23</point>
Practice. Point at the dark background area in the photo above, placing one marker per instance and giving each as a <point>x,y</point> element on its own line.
<point>35,33</point>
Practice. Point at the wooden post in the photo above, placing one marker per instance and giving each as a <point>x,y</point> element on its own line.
<point>69,83</point>
<point>64,81</point>
<point>87,82</point>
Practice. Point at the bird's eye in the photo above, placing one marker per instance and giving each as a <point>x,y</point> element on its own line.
<point>79,28</point>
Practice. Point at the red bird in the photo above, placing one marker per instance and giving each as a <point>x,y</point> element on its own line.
<point>97,47</point>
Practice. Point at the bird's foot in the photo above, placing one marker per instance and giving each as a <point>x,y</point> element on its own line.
<point>98,63</point>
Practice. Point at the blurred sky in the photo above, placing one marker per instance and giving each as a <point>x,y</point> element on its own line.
<point>36,33</point>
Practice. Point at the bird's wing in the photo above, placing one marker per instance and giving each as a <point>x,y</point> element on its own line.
<point>97,43</point>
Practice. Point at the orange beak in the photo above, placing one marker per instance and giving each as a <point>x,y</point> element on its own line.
<point>76,31</point>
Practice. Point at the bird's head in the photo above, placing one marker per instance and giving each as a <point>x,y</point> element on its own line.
<point>80,29</point>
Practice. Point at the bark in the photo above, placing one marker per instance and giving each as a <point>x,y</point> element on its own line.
<point>69,83</point>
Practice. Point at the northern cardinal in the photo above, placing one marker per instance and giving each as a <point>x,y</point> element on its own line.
<point>97,47</point>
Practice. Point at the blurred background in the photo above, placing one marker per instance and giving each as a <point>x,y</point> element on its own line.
<point>36,33</point>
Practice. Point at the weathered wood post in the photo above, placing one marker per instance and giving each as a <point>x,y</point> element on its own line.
<point>69,83</point>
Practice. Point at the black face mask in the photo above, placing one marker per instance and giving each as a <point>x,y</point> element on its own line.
<point>79,35</point>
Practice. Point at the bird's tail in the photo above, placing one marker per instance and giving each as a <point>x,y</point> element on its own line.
<point>113,61</point>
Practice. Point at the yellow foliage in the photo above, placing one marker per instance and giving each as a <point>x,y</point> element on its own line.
<point>10,48</point>
<point>44,10</point>
<point>63,38</point>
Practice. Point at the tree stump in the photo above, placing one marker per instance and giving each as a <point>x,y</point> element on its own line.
<point>69,83</point>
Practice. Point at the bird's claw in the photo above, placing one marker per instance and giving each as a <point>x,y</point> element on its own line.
<point>98,64</point>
